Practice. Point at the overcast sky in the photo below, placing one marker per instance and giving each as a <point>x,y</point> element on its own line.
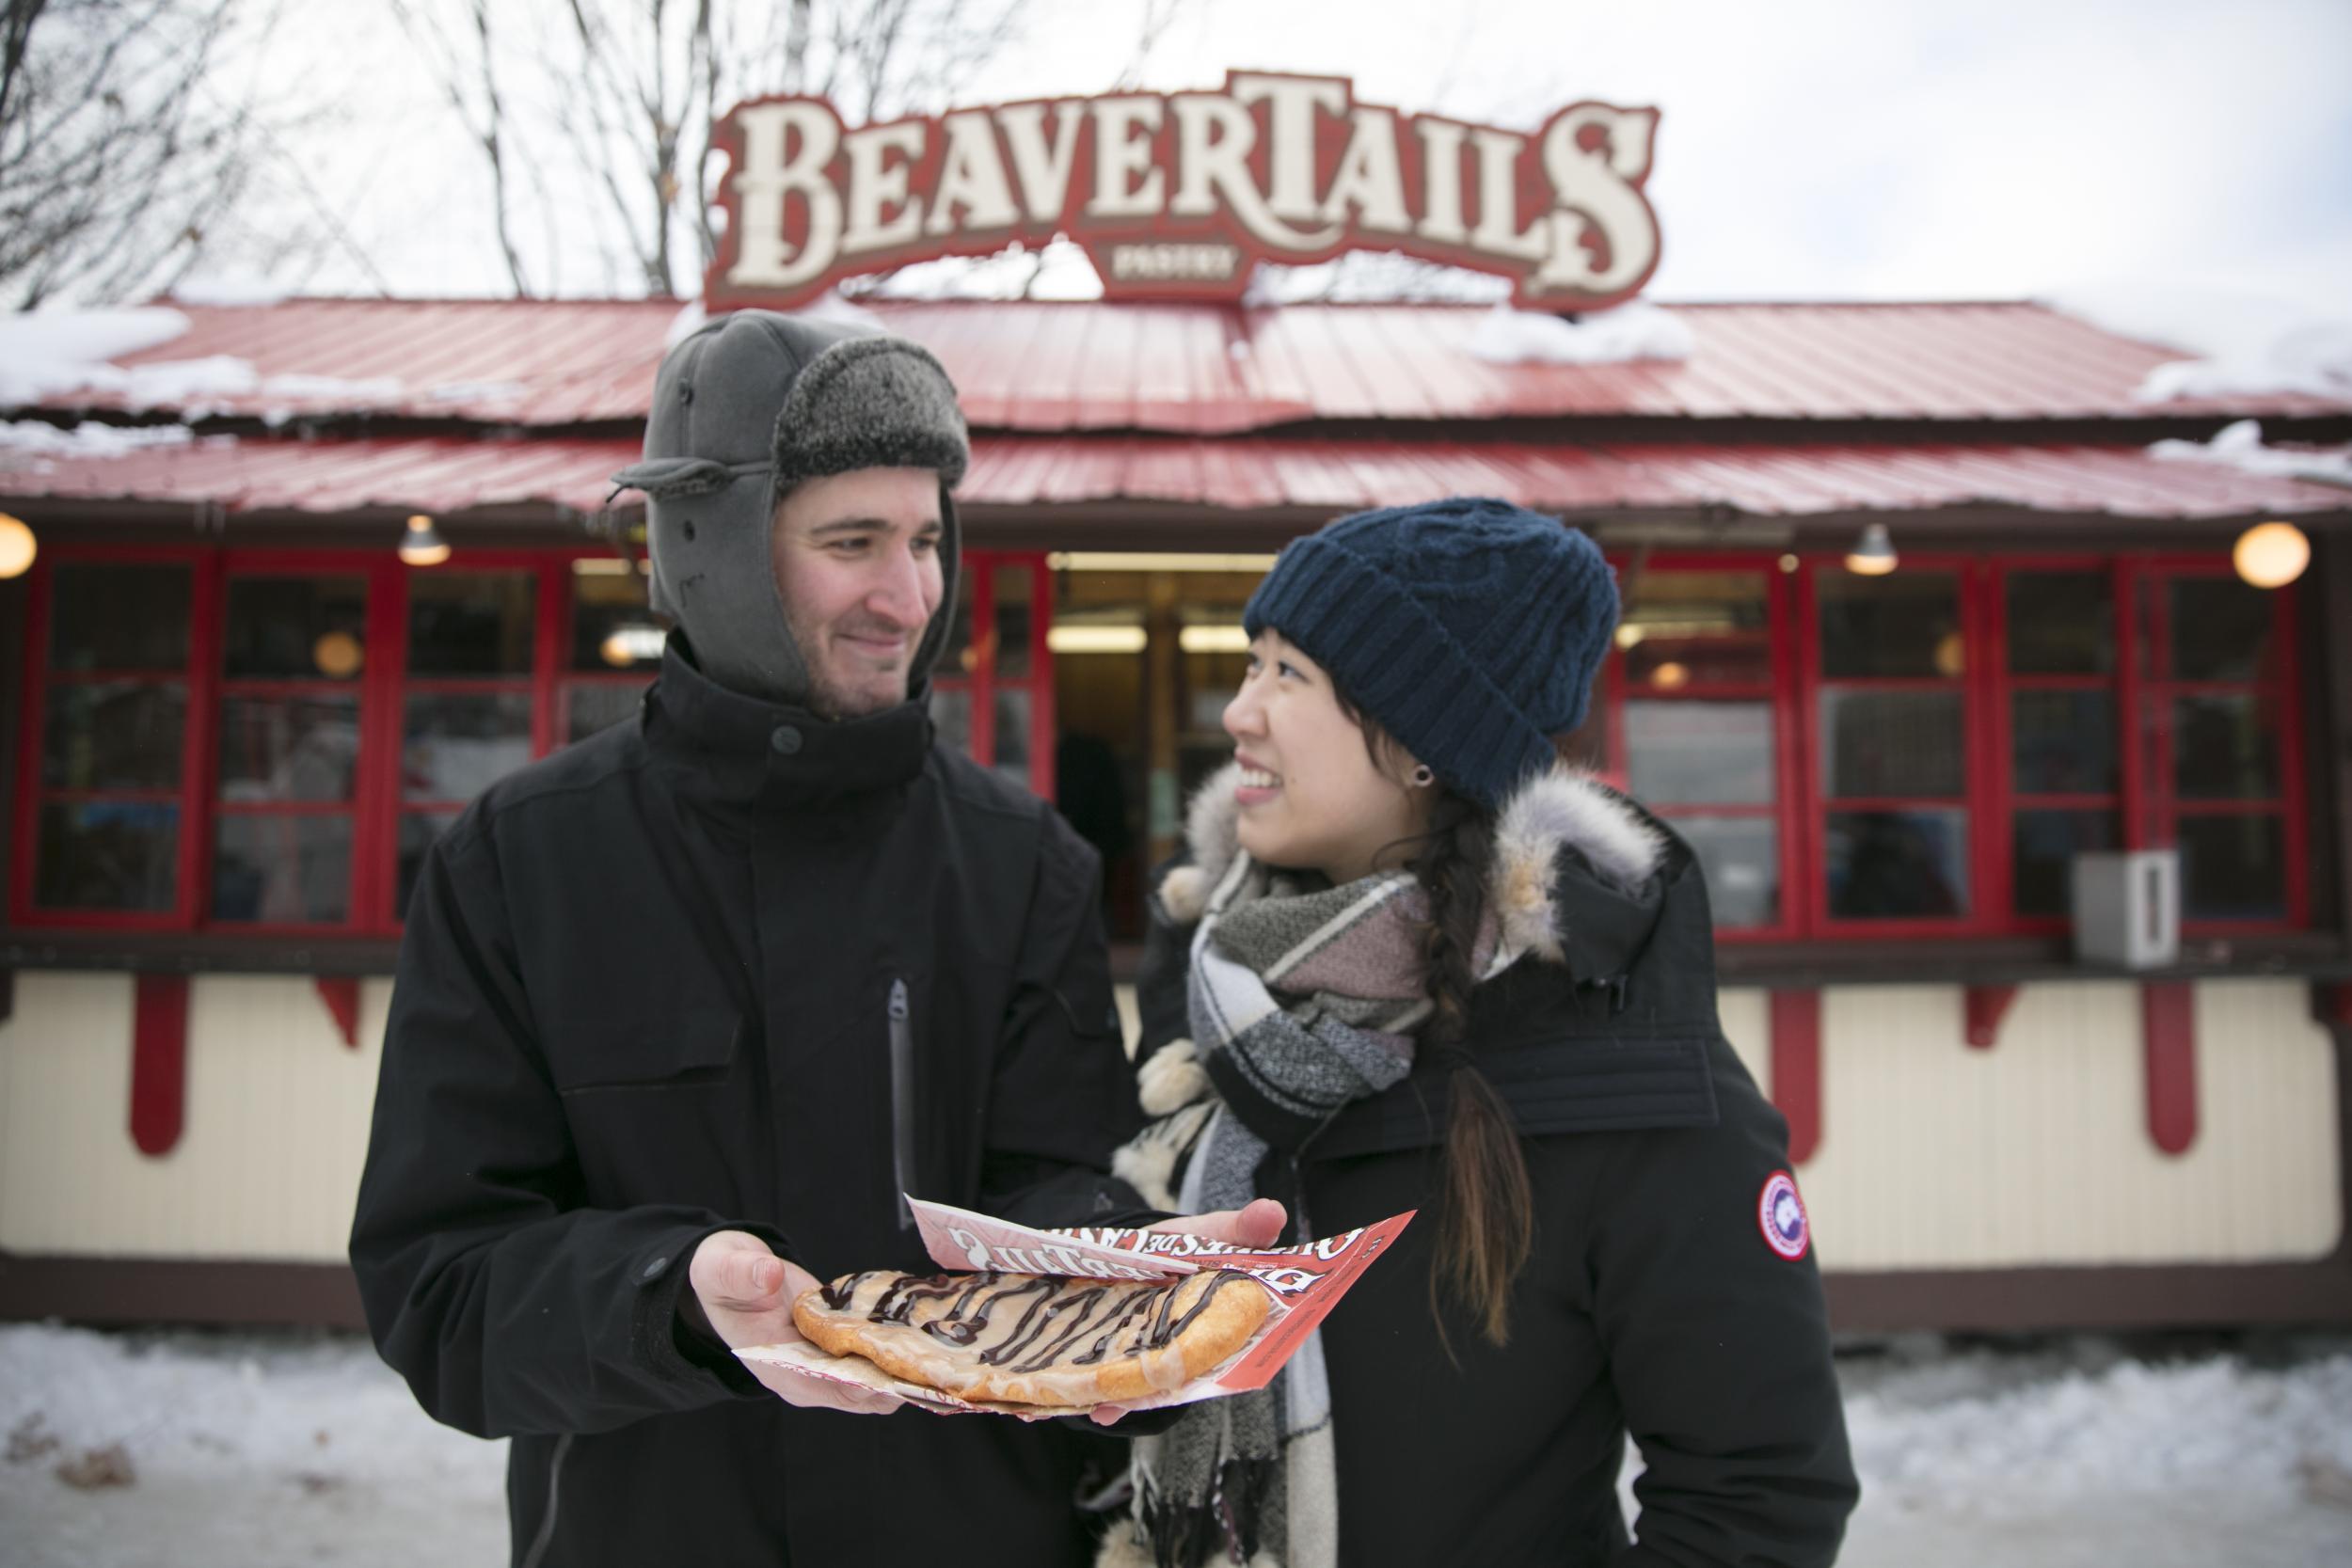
<point>1809,149</point>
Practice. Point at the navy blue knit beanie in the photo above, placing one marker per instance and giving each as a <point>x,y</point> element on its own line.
<point>1469,629</point>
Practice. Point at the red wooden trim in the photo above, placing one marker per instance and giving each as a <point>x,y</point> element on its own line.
<point>2288,708</point>
<point>982,738</point>
<point>2131,774</point>
<point>1986,1006</point>
<point>199,746</point>
<point>340,993</point>
<point>2169,1038</point>
<point>376,829</point>
<point>1812,872</point>
<point>550,635</point>
<point>159,1061</point>
<point>1790,764</point>
<point>1983,638</point>
<point>1796,1017</point>
<point>1041,678</point>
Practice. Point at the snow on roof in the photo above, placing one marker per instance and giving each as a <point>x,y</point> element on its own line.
<point>2244,345</point>
<point>2240,447</point>
<point>1636,330</point>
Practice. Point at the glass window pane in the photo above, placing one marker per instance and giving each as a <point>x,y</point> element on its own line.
<point>2042,846</point>
<point>2222,749</point>
<point>282,870</point>
<point>1699,753</point>
<point>1740,855</point>
<point>1900,743</point>
<point>607,602</point>
<point>2232,867</point>
<point>957,657</point>
<point>1012,621</point>
<point>1012,734</point>
<point>2063,743</point>
<point>1697,628</point>
<point>588,708</point>
<point>113,734</point>
<point>460,743</point>
<point>108,855</point>
<point>2220,628</point>
<point>951,720</point>
<point>1907,624</point>
<point>106,617</point>
<point>2061,623</point>
<point>288,748</point>
<point>1897,864</point>
<point>470,623</point>
<point>295,628</point>
<point>417,830</point>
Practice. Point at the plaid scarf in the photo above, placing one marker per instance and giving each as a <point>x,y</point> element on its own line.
<point>1301,1000</point>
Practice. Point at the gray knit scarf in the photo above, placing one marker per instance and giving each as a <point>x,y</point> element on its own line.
<point>1301,998</point>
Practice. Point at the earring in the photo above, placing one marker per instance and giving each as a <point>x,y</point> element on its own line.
<point>1424,776</point>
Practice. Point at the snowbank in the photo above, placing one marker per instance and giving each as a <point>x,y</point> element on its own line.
<point>2243,346</point>
<point>1635,330</point>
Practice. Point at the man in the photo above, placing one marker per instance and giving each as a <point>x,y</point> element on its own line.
<point>744,970</point>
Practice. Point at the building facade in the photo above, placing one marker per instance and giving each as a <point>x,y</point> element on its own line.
<point>238,717</point>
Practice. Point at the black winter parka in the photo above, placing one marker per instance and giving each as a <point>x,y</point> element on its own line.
<point>731,967</point>
<point>1653,1304</point>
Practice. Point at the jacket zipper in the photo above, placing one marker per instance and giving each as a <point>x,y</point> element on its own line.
<point>547,1524</point>
<point>902,1098</point>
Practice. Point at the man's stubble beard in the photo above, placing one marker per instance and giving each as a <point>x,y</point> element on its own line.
<point>830,702</point>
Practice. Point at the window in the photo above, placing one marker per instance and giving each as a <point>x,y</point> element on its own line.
<point>2215,700</point>
<point>1697,724</point>
<point>259,742</point>
<point>2057,704</point>
<point>111,706</point>
<point>992,690</point>
<point>1890,715</point>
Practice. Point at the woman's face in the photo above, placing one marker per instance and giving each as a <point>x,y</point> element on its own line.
<point>1311,794</point>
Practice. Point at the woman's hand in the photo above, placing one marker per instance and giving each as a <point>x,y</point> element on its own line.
<point>1258,1223</point>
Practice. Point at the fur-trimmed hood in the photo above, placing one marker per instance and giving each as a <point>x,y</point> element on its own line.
<point>1572,877</point>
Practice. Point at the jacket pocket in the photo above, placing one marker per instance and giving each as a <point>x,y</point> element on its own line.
<point>695,1046</point>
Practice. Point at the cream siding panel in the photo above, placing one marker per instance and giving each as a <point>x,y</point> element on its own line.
<point>274,1134</point>
<point>1747,1020</point>
<point>1936,1156</point>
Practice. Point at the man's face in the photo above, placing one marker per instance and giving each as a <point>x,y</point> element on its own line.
<point>856,558</point>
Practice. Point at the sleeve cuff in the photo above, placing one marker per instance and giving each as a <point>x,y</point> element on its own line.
<point>675,1350</point>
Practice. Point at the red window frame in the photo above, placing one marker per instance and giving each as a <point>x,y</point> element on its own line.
<point>383,688</point>
<point>1986,687</point>
<point>1616,688</point>
<point>977,678</point>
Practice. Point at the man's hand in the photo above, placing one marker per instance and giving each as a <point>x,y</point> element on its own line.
<point>741,1294</point>
<point>1257,1223</point>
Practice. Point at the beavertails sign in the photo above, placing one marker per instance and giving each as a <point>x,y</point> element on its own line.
<point>1178,194</point>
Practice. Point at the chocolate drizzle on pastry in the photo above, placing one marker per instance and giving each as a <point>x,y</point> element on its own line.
<point>1039,1321</point>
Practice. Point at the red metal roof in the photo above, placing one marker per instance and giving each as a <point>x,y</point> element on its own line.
<point>1037,366</point>
<point>453,474</point>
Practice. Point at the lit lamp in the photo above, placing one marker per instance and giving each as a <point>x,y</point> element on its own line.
<point>2268,555</point>
<point>1873,554</point>
<point>17,547</point>
<point>626,646</point>
<point>420,546</point>
<point>338,655</point>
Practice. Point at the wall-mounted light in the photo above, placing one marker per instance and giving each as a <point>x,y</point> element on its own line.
<point>1629,634</point>
<point>1097,640</point>
<point>17,547</point>
<point>1213,639</point>
<point>1671,676</point>
<point>2271,555</point>
<point>1873,554</point>
<point>338,655</point>
<point>420,546</point>
<point>626,645</point>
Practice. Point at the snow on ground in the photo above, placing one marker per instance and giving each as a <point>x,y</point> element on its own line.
<point>259,1449</point>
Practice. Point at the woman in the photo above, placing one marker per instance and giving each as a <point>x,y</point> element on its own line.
<point>1410,963</point>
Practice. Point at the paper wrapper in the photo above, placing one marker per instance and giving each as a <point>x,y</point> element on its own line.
<point>1305,1282</point>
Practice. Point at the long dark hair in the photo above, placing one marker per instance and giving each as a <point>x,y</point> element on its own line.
<point>1486,1210</point>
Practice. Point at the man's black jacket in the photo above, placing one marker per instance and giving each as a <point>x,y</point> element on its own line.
<point>731,967</point>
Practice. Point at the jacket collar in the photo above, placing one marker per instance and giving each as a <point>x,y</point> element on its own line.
<point>1574,876</point>
<point>727,750</point>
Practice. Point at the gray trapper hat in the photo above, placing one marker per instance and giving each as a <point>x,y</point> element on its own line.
<point>744,408</point>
